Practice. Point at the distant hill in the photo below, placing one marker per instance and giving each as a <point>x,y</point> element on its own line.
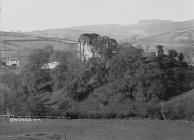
<point>146,33</point>
<point>121,32</point>
<point>177,39</point>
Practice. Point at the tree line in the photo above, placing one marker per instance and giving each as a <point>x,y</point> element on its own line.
<point>120,84</point>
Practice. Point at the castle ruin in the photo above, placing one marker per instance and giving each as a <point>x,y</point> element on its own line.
<point>94,45</point>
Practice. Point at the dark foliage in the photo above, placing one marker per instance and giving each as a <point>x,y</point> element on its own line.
<point>124,84</point>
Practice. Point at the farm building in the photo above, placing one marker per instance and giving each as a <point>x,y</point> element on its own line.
<point>12,62</point>
<point>51,65</point>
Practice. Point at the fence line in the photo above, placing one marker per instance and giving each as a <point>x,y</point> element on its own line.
<point>35,117</point>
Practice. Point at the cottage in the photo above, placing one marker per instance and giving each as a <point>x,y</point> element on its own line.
<point>13,62</point>
<point>51,65</point>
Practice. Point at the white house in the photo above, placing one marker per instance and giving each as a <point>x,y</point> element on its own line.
<point>51,65</point>
<point>14,62</point>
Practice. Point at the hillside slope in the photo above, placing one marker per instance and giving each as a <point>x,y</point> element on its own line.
<point>173,35</point>
<point>121,32</point>
<point>180,107</point>
<point>18,44</point>
<point>184,99</point>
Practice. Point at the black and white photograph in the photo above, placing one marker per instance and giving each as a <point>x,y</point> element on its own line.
<point>96,69</point>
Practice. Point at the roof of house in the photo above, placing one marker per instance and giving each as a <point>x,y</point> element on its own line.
<point>51,65</point>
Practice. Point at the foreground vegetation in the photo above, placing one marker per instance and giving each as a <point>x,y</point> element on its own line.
<point>119,84</point>
<point>97,130</point>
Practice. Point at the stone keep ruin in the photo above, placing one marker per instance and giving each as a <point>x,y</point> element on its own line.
<point>94,45</point>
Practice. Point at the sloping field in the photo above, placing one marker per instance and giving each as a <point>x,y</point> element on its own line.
<point>19,44</point>
<point>173,39</point>
<point>20,41</point>
<point>31,44</point>
<point>96,130</point>
<point>186,99</point>
<point>180,107</point>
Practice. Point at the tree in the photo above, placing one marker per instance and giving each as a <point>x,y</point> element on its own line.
<point>148,77</point>
<point>127,60</point>
<point>34,106</point>
<point>172,54</point>
<point>58,76</point>
<point>77,79</point>
<point>180,57</point>
<point>122,69</point>
<point>34,77</point>
<point>60,73</point>
<point>160,50</point>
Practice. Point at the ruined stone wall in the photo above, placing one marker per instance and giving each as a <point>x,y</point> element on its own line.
<point>94,45</point>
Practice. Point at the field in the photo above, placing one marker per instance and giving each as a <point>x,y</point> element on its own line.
<point>20,45</point>
<point>46,129</point>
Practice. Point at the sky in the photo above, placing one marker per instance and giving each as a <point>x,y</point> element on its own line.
<point>28,15</point>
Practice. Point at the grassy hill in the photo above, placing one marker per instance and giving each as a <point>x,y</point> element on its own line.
<point>146,33</point>
<point>121,32</point>
<point>180,107</point>
<point>20,44</point>
<point>14,40</point>
<point>184,99</point>
<point>175,38</point>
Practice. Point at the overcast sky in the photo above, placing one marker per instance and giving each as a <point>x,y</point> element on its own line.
<point>28,15</point>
